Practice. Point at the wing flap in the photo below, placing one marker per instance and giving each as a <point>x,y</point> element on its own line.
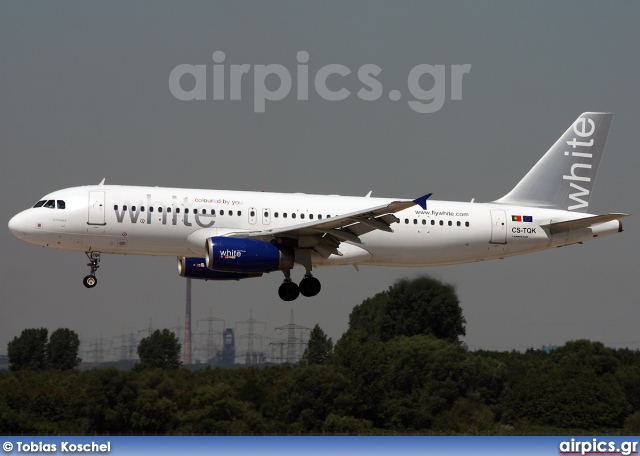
<point>587,222</point>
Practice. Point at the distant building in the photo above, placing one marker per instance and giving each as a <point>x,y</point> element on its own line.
<point>255,358</point>
<point>227,356</point>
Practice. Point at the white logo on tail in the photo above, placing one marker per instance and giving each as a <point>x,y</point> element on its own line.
<point>579,129</point>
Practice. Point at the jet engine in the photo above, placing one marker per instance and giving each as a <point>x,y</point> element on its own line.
<point>227,254</point>
<point>196,268</point>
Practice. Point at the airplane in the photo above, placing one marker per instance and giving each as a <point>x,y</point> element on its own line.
<point>234,235</point>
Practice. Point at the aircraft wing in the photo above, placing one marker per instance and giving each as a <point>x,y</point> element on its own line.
<point>561,227</point>
<point>325,235</point>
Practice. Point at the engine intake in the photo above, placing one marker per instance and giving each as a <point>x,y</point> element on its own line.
<point>228,254</point>
<point>196,268</point>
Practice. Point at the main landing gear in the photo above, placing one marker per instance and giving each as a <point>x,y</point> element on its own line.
<point>289,290</point>
<point>91,281</point>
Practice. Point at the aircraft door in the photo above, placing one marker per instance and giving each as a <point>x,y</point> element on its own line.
<point>96,208</point>
<point>253,215</point>
<point>498,226</point>
<point>266,216</point>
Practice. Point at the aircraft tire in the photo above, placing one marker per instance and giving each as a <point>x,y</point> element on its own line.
<point>288,291</point>
<point>90,281</point>
<point>309,286</point>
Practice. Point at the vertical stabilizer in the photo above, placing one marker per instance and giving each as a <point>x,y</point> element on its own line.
<point>565,175</point>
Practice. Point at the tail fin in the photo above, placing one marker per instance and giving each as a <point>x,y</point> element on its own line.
<point>564,176</point>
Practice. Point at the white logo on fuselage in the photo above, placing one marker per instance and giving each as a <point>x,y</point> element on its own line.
<point>167,217</point>
<point>580,151</point>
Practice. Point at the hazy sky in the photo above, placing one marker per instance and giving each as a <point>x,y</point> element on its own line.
<point>84,95</point>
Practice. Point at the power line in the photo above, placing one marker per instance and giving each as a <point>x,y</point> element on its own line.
<point>251,355</point>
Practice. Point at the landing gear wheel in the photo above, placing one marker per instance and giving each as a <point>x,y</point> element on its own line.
<point>309,286</point>
<point>288,291</point>
<point>90,281</point>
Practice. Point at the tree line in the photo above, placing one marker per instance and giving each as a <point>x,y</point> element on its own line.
<point>399,368</point>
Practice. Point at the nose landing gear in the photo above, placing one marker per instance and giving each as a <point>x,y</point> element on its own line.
<point>91,281</point>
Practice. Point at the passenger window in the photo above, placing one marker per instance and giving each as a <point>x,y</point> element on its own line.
<point>151,209</point>
<point>284,215</point>
<point>221,212</point>
<point>319,216</point>
<point>204,211</point>
<point>458,223</point>
<point>124,207</point>
<point>168,209</point>
<point>61,204</point>
<point>266,214</point>
<point>51,204</point>
<point>466,224</point>
<point>424,222</point>
<point>177,210</point>
<point>275,214</point>
<point>186,210</point>
<point>441,223</point>
<point>133,208</point>
<point>40,203</point>
<point>433,222</point>
<point>239,213</point>
<point>310,216</point>
<point>230,212</point>
<point>450,223</point>
<point>141,208</point>
<point>253,213</point>
<point>115,207</point>
<point>406,221</point>
<point>160,209</point>
<point>293,215</point>
<point>301,216</point>
<point>195,211</point>
<point>415,221</point>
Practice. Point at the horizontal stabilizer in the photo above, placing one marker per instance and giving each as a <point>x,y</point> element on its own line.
<point>561,227</point>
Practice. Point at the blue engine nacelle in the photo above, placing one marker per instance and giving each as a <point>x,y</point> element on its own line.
<point>229,254</point>
<point>196,268</point>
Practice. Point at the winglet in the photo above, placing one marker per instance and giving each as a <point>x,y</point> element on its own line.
<point>102,181</point>
<point>422,201</point>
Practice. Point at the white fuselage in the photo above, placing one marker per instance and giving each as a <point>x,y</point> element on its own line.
<point>176,222</point>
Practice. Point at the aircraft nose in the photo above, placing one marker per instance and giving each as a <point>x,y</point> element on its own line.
<point>17,225</point>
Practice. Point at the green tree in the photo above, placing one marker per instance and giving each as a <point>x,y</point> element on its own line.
<point>423,306</point>
<point>27,351</point>
<point>362,361</point>
<point>62,350</point>
<point>317,391</point>
<point>575,386</point>
<point>152,413</point>
<point>319,347</point>
<point>161,349</point>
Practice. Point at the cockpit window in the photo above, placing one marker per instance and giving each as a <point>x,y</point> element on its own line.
<point>51,204</point>
<point>40,203</point>
<point>61,204</point>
